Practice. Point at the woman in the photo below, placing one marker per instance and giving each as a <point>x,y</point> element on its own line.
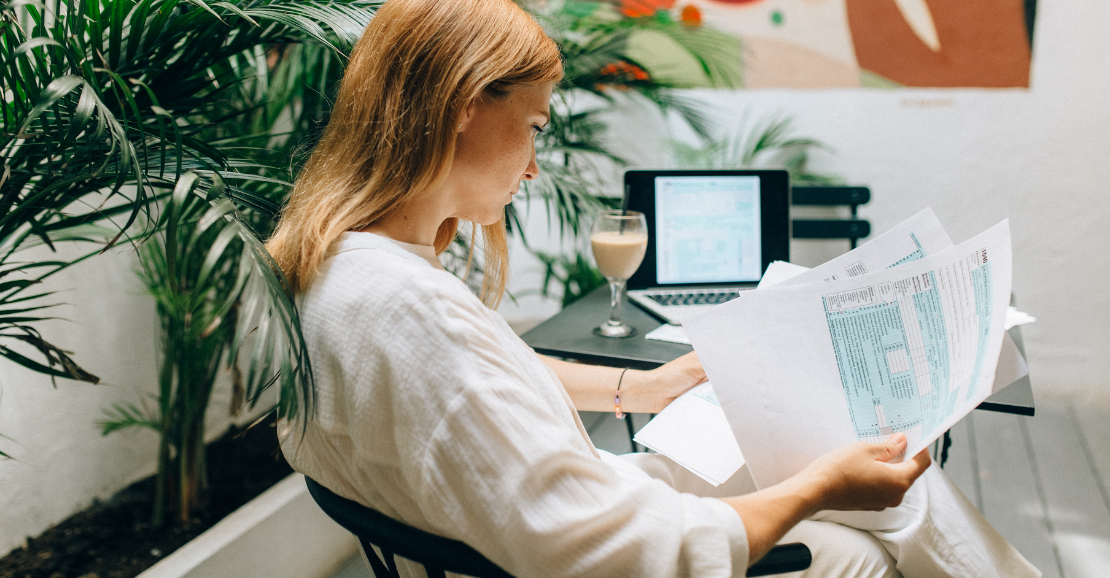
<point>433,412</point>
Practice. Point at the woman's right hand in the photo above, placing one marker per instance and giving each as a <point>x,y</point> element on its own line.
<point>860,477</point>
<point>855,477</point>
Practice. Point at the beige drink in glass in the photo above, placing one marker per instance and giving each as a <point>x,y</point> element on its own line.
<point>618,255</point>
<point>619,241</point>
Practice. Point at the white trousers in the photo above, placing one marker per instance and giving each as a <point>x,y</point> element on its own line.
<point>934,533</point>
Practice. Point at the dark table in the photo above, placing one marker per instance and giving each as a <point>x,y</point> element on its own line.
<point>569,335</point>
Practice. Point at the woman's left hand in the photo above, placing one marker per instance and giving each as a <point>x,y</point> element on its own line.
<point>673,379</point>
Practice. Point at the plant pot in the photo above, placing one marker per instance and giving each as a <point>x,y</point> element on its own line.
<point>280,534</point>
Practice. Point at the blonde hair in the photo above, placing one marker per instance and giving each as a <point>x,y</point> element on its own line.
<point>392,132</point>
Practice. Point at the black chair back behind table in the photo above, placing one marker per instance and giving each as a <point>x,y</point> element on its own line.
<point>852,228</point>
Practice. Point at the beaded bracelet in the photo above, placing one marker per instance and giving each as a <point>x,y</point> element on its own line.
<point>617,398</point>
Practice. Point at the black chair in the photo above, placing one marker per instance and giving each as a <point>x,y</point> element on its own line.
<point>852,229</point>
<point>440,555</point>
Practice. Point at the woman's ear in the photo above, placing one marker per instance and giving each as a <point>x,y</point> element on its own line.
<point>468,114</point>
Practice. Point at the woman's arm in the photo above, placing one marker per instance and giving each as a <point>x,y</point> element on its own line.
<point>855,477</point>
<point>593,387</point>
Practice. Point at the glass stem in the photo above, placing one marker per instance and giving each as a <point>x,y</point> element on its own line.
<point>616,286</point>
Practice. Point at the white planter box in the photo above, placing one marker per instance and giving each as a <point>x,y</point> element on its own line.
<point>280,534</point>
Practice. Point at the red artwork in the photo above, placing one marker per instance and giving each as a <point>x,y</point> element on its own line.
<point>982,43</point>
<point>878,43</point>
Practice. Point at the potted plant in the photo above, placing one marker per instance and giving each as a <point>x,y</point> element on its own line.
<point>123,119</point>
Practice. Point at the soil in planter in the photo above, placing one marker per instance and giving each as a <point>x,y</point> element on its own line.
<point>115,539</point>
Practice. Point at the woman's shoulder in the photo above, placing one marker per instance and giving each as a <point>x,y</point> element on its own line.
<point>368,273</point>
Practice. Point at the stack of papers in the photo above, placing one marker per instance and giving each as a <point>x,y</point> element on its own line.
<point>904,334</point>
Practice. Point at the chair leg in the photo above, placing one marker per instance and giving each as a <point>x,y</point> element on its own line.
<point>944,445</point>
<point>371,557</point>
<point>434,572</point>
<point>391,561</point>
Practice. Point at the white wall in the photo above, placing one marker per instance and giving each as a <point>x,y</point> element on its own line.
<point>1040,157</point>
<point>62,463</point>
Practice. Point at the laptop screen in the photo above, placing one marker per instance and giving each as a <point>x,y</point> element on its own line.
<point>707,229</point>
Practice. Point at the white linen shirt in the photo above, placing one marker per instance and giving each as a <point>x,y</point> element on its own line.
<point>431,410</point>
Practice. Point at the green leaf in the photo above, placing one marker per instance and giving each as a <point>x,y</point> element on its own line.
<point>57,88</point>
<point>123,416</point>
<point>34,43</point>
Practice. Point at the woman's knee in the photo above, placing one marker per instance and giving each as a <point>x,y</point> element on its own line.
<point>839,551</point>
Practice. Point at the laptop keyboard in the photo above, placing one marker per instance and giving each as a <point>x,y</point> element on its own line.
<point>698,298</point>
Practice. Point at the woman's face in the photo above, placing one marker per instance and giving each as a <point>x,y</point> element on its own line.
<point>496,150</point>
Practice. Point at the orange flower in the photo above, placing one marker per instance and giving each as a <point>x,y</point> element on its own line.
<point>641,8</point>
<point>691,16</point>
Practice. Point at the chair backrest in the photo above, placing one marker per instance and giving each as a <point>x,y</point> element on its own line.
<point>440,555</point>
<point>393,538</point>
<point>852,229</point>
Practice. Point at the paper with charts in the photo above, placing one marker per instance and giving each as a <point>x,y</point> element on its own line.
<point>912,239</point>
<point>803,368</point>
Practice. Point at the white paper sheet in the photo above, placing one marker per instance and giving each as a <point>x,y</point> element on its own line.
<point>669,333</point>
<point>804,369</point>
<point>918,236</point>
<point>1015,318</point>
<point>693,432</point>
<point>779,271</point>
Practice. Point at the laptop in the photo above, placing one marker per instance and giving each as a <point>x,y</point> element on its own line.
<point>711,234</point>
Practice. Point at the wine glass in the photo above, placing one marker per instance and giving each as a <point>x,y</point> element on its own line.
<point>619,241</point>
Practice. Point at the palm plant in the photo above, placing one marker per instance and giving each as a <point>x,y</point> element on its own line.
<point>120,108</point>
<point>194,266</point>
<point>191,270</point>
<point>768,143</point>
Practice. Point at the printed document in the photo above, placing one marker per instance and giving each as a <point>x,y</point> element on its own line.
<point>801,369</point>
<point>912,239</point>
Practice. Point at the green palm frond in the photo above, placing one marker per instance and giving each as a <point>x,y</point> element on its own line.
<point>107,103</point>
<point>770,143</point>
<point>124,416</point>
<point>574,275</point>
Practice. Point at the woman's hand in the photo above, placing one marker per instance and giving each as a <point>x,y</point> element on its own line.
<point>860,477</point>
<point>672,379</point>
<point>855,477</point>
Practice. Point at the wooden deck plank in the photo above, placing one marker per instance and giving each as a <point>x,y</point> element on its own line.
<point>961,466</point>
<point>1011,500</point>
<point>1079,517</point>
